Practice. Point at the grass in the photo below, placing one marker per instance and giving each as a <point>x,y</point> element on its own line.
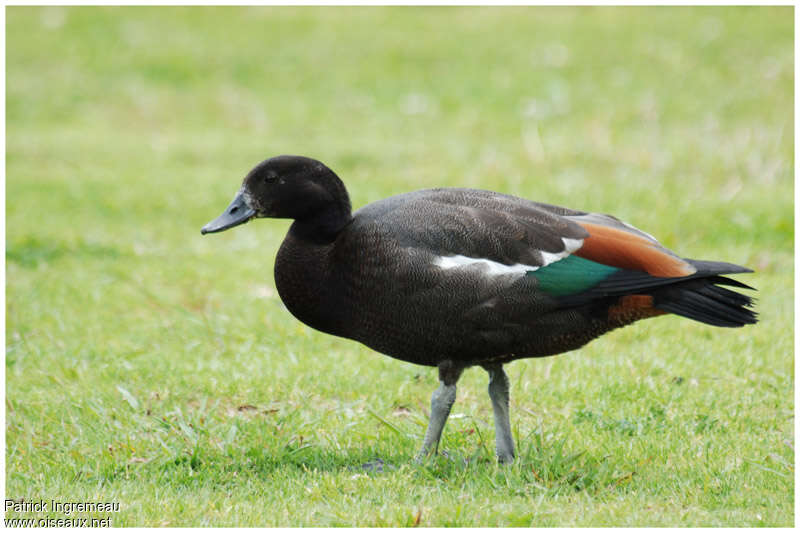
<point>148,366</point>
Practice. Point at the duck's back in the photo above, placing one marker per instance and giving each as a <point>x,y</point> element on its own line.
<point>478,222</point>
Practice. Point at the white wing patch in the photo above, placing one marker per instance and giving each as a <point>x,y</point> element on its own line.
<point>493,268</point>
<point>570,245</point>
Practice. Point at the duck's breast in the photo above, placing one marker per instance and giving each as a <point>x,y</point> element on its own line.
<point>308,287</point>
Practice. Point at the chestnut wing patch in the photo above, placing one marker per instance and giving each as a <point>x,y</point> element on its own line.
<point>618,247</point>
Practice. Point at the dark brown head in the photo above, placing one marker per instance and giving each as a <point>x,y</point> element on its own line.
<point>289,186</point>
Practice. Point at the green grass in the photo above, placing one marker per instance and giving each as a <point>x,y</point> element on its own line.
<point>153,367</point>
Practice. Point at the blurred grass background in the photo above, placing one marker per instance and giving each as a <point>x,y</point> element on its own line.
<point>150,366</point>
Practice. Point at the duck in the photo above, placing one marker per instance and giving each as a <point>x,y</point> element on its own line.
<point>455,277</point>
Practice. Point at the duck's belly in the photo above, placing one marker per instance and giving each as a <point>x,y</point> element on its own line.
<point>429,344</point>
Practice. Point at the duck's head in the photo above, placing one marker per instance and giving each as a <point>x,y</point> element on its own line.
<point>288,186</point>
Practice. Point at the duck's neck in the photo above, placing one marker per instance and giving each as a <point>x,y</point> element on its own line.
<point>322,223</point>
<point>321,228</point>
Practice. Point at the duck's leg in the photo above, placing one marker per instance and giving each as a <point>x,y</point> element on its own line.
<point>498,392</point>
<point>441,402</point>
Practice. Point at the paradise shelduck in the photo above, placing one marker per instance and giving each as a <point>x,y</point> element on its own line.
<point>453,278</point>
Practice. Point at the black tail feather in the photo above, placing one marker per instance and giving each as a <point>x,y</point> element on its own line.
<point>717,267</point>
<point>704,300</point>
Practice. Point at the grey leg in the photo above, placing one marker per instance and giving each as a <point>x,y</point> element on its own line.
<point>498,392</point>
<point>441,402</point>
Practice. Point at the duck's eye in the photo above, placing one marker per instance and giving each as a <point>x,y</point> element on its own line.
<point>271,178</point>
